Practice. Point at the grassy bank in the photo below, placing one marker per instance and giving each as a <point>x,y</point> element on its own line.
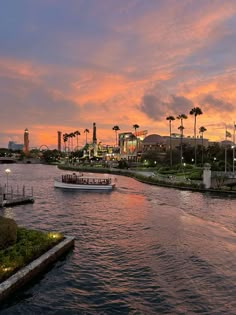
<point>160,179</point>
<point>30,244</point>
<point>154,180</point>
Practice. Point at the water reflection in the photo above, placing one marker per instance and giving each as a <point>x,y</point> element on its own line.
<point>7,213</point>
<point>139,250</point>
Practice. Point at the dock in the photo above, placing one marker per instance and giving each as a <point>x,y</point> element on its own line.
<point>12,197</point>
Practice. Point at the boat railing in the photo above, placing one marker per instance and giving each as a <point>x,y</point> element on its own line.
<point>81,180</point>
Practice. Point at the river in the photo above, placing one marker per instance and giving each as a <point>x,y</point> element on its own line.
<point>140,249</point>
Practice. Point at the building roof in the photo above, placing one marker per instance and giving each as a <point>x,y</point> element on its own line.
<point>153,139</point>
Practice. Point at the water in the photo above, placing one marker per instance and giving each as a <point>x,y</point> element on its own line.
<point>139,249</point>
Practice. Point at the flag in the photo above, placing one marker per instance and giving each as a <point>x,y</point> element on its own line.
<point>227,134</point>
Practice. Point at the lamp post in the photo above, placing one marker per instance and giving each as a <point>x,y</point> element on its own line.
<point>184,164</point>
<point>233,147</point>
<point>7,171</point>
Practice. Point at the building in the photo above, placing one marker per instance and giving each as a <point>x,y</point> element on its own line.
<point>186,141</point>
<point>13,146</point>
<point>131,144</point>
<point>154,142</point>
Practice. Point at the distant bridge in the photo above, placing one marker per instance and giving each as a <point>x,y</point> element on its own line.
<point>7,160</point>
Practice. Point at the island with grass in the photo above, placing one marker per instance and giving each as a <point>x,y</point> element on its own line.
<point>24,253</point>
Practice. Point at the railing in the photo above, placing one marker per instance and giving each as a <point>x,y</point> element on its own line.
<point>172,178</point>
<point>223,174</point>
<point>10,193</point>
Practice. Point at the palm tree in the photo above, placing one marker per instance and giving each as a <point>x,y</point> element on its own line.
<point>202,129</point>
<point>86,131</point>
<point>170,118</point>
<point>65,138</point>
<point>181,117</point>
<point>116,128</point>
<point>77,133</point>
<point>196,111</point>
<point>181,128</point>
<point>72,135</point>
<point>135,126</point>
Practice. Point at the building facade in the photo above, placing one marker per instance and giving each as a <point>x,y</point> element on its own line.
<point>13,146</point>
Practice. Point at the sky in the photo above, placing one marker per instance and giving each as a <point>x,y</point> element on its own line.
<point>65,64</point>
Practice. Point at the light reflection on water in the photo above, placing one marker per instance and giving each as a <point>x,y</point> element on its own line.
<point>140,249</point>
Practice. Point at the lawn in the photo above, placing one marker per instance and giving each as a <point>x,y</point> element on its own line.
<point>30,244</point>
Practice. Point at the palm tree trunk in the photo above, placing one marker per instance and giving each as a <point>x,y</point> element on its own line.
<point>195,141</point>
<point>171,160</point>
<point>132,149</point>
<point>202,149</point>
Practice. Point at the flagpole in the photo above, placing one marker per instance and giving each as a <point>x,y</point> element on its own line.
<point>234,132</point>
<point>234,146</point>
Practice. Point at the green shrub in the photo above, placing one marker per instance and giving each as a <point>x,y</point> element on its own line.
<point>8,232</point>
<point>30,245</point>
<point>196,175</point>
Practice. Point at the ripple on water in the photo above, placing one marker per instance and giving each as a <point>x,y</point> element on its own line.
<point>139,250</point>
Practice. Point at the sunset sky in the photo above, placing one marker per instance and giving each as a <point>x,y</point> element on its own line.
<point>65,64</point>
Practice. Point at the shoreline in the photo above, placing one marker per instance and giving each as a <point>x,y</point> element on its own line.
<point>146,179</point>
<point>34,268</point>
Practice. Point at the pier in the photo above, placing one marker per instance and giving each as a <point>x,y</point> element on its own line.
<point>13,197</point>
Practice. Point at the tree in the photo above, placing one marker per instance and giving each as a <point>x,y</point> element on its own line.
<point>135,128</point>
<point>71,136</point>
<point>77,133</point>
<point>65,139</point>
<point>86,131</point>
<point>181,117</point>
<point>196,111</point>
<point>170,119</point>
<point>116,128</point>
<point>181,128</point>
<point>202,129</point>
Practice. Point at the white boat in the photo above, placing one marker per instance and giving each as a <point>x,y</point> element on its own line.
<point>84,183</point>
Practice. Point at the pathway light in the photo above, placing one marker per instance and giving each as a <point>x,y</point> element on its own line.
<point>7,171</point>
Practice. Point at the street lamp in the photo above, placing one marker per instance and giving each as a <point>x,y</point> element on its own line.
<point>233,147</point>
<point>7,171</point>
<point>184,164</point>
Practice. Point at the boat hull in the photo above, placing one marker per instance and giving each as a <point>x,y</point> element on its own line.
<point>59,184</point>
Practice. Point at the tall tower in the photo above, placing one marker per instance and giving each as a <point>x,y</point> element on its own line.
<point>95,147</point>
<point>94,134</point>
<point>59,141</point>
<point>26,142</point>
